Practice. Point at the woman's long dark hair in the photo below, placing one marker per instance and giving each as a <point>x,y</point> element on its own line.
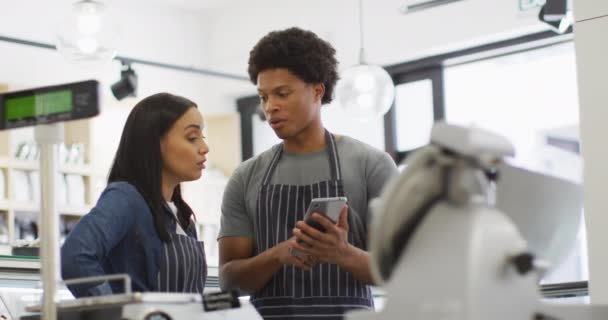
<point>138,158</point>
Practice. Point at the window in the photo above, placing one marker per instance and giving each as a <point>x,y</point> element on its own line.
<point>523,88</point>
<point>370,131</point>
<point>419,102</point>
<point>263,136</point>
<point>414,114</point>
<point>523,96</point>
<point>532,99</point>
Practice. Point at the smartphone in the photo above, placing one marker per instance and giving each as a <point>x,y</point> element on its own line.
<point>328,207</point>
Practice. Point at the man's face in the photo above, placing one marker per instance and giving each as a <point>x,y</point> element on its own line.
<point>289,104</point>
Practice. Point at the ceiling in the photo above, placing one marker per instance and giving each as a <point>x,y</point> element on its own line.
<point>195,6</point>
<point>188,5</point>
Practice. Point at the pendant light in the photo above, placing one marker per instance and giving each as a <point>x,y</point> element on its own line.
<point>86,35</point>
<point>365,91</point>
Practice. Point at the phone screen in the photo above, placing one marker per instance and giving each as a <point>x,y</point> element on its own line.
<point>329,207</point>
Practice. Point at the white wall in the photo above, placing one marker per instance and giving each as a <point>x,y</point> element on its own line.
<point>148,32</point>
<point>390,37</point>
<point>591,51</point>
<point>151,33</point>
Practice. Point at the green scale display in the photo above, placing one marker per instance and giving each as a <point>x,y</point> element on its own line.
<point>51,104</point>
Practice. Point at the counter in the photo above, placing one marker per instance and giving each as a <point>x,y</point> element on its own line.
<point>20,284</point>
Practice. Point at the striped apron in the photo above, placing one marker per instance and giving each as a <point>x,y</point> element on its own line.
<point>326,291</point>
<point>183,265</point>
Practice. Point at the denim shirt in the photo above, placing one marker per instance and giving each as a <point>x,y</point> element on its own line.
<point>117,236</point>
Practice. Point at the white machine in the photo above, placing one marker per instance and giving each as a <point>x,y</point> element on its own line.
<point>46,108</point>
<point>442,246</point>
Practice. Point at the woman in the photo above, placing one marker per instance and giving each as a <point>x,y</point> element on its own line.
<point>140,225</point>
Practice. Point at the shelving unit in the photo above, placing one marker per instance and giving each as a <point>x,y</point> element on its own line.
<point>19,199</point>
<point>204,195</point>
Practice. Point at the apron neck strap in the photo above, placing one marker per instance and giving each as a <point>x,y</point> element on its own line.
<point>331,148</point>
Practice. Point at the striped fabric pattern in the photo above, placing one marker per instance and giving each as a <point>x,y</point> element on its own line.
<point>183,265</point>
<point>324,292</point>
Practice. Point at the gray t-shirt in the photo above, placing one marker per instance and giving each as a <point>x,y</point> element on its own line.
<point>365,170</point>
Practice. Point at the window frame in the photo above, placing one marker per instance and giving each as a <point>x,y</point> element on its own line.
<point>433,68</point>
<point>435,75</point>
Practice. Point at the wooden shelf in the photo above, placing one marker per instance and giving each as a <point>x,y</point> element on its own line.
<point>68,210</point>
<point>25,206</point>
<point>25,165</point>
<point>75,210</point>
<point>30,165</point>
<point>77,169</point>
<point>76,132</point>
<point>30,263</point>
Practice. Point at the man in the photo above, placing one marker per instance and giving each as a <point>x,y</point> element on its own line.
<point>267,197</point>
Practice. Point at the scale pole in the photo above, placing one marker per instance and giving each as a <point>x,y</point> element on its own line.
<point>49,137</point>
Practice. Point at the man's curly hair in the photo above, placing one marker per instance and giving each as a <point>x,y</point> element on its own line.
<point>302,52</point>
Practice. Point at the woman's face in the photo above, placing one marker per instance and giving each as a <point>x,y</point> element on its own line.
<point>289,104</point>
<point>183,148</point>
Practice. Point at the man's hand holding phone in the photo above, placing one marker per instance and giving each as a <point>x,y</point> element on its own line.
<point>323,234</point>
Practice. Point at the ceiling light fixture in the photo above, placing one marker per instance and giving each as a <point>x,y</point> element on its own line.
<point>85,35</point>
<point>127,85</point>
<point>365,91</point>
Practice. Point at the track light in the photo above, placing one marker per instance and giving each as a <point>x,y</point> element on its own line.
<point>127,85</point>
<point>556,14</point>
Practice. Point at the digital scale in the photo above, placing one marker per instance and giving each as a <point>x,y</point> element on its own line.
<point>46,109</point>
<point>48,105</point>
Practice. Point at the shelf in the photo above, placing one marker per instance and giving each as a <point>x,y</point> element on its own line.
<point>78,169</point>
<point>30,165</point>
<point>62,209</point>
<point>25,206</point>
<point>19,262</point>
<point>26,165</point>
<point>78,211</point>
<point>28,268</point>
